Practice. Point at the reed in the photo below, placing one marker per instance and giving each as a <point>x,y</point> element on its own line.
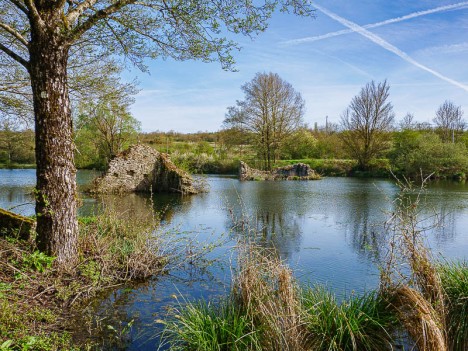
<point>267,310</point>
<point>410,278</point>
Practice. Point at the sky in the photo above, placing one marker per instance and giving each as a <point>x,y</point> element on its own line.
<point>420,47</point>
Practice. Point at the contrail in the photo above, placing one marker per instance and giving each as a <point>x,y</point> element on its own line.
<point>456,6</point>
<point>387,46</point>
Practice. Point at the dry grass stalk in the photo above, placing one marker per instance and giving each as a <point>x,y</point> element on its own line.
<point>420,319</point>
<point>266,288</point>
<point>418,298</point>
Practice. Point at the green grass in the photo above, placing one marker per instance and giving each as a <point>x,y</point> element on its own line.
<point>16,332</point>
<point>15,165</point>
<point>358,323</point>
<point>342,168</point>
<point>454,277</point>
<point>267,310</point>
<point>217,326</point>
<point>205,163</point>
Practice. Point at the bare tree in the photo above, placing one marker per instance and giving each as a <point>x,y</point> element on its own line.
<point>271,111</point>
<point>449,121</point>
<point>38,35</point>
<point>367,122</point>
<point>407,122</point>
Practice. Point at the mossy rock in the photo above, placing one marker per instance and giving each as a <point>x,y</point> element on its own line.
<point>12,224</point>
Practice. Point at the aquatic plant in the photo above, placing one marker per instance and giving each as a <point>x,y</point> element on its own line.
<point>267,310</point>
<point>213,326</point>
<point>357,323</point>
<point>410,279</point>
<point>454,276</point>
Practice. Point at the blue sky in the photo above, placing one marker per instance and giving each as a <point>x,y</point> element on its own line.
<point>420,47</point>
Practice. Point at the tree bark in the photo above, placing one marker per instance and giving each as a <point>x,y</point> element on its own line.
<point>57,227</point>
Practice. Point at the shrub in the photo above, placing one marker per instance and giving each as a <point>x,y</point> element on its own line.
<point>415,153</point>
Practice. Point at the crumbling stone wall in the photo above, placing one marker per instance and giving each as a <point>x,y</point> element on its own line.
<point>299,171</point>
<point>142,169</point>
<point>168,178</point>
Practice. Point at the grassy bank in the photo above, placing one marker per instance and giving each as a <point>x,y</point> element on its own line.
<point>17,166</point>
<point>343,168</point>
<point>211,164</point>
<point>268,310</point>
<point>37,300</point>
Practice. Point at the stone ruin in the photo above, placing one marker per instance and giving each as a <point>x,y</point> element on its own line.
<point>298,171</point>
<point>143,169</point>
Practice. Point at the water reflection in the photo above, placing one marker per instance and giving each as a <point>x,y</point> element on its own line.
<point>262,213</point>
<point>158,207</point>
<point>365,211</point>
<point>19,199</point>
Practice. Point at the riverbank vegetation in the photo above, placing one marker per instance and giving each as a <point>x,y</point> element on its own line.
<point>38,299</point>
<point>410,151</point>
<point>268,310</point>
<point>420,302</point>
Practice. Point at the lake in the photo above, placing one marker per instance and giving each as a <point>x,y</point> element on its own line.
<point>329,231</point>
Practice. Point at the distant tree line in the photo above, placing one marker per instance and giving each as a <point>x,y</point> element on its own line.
<point>268,126</point>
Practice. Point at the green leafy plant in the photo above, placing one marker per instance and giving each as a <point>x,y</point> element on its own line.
<point>38,261</point>
<point>6,345</point>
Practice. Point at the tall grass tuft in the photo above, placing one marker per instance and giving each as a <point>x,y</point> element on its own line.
<point>454,277</point>
<point>265,288</point>
<point>219,326</point>
<point>266,310</point>
<point>358,323</point>
<point>419,318</point>
<point>410,278</point>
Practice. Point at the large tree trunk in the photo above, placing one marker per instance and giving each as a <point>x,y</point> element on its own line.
<point>57,227</point>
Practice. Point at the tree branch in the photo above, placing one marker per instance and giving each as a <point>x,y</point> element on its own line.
<point>73,15</point>
<point>15,56</point>
<point>32,11</point>
<point>92,20</point>
<point>13,32</point>
<point>124,48</point>
<point>20,6</point>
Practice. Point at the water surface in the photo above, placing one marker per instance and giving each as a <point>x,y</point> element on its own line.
<point>329,231</point>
